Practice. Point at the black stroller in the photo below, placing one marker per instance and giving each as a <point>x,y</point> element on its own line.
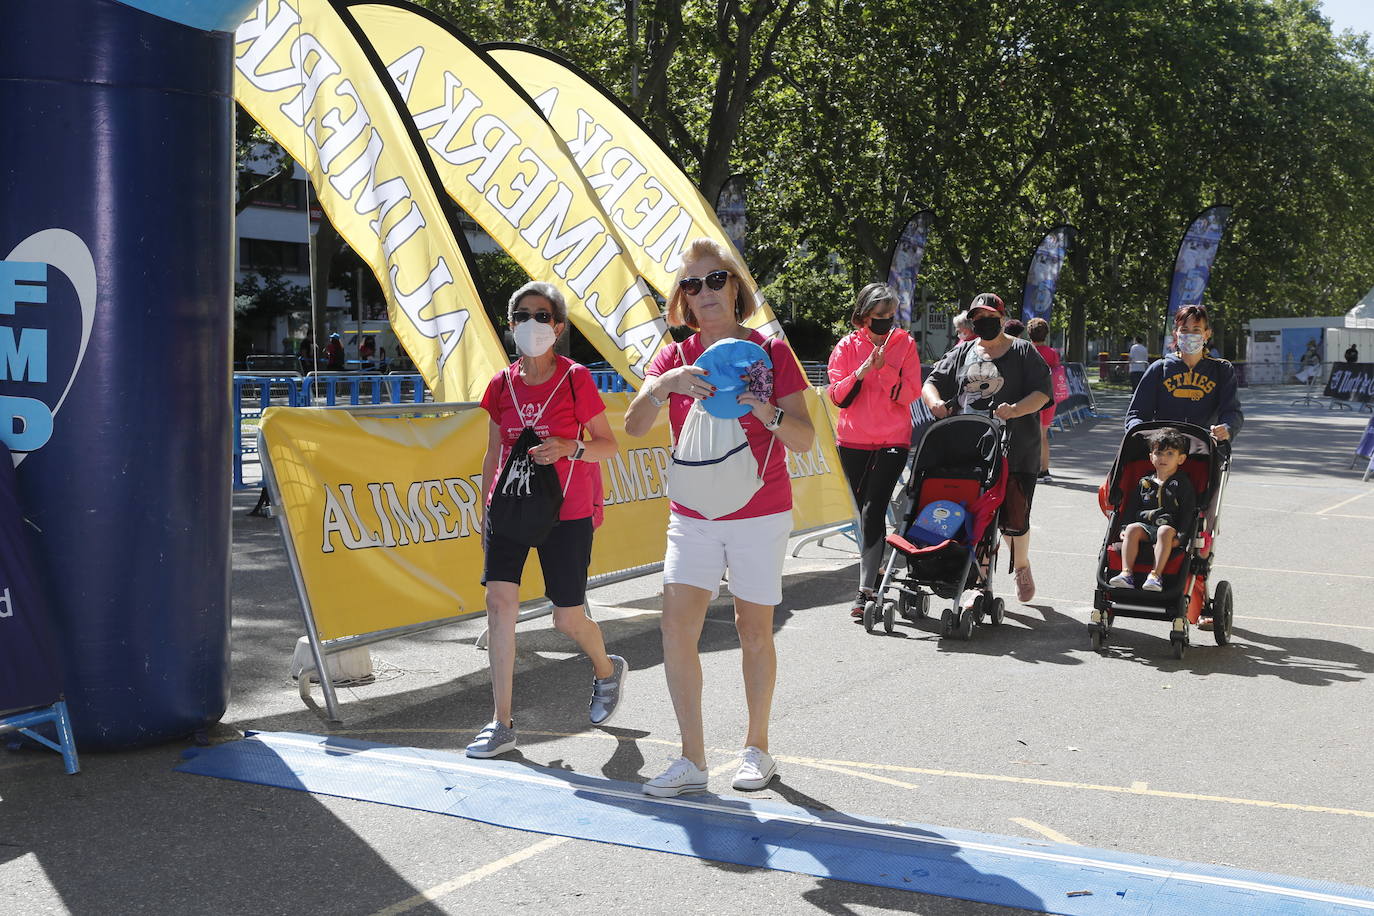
<point>963,460</point>
<point>1188,566</point>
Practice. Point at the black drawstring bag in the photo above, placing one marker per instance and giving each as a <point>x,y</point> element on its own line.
<point>527,499</point>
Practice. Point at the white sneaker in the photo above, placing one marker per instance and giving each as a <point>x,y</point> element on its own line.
<point>1121,580</point>
<point>1153,584</point>
<point>756,769</point>
<point>681,776</point>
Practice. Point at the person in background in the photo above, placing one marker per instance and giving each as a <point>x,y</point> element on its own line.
<point>1039,332</point>
<point>306,355</point>
<point>366,351</point>
<point>1139,362</point>
<point>1352,355</point>
<point>558,397</point>
<point>712,296</point>
<point>1003,375</point>
<point>334,354</point>
<point>875,375</point>
<point>1014,327</point>
<point>381,359</point>
<point>963,330</point>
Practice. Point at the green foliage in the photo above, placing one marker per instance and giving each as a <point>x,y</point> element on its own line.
<point>1124,117</point>
<point>259,299</point>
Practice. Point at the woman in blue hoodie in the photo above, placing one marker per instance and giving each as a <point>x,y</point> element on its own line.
<point>1190,387</point>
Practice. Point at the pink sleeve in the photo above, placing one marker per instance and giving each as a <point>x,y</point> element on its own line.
<point>911,375</point>
<point>587,399</point>
<point>841,371</point>
<point>491,398</point>
<point>787,374</point>
<point>666,358</point>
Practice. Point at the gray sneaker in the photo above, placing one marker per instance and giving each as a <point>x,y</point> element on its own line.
<point>607,692</point>
<point>493,740</point>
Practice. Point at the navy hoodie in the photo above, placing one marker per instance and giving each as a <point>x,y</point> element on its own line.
<point>1204,395</point>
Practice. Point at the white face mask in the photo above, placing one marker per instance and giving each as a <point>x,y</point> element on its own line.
<point>534,338</point>
<point>1191,343</point>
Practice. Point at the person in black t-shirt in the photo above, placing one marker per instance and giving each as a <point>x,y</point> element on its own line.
<point>1006,376</point>
<point>1158,509</point>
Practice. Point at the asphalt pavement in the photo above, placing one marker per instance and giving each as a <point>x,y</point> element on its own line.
<point>1250,755</point>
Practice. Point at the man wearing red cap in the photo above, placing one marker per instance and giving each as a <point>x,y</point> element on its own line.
<point>1005,376</point>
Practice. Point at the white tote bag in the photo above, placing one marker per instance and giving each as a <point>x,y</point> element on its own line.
<point>713,470</point>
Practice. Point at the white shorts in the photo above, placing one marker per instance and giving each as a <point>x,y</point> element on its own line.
<point>701,550</point>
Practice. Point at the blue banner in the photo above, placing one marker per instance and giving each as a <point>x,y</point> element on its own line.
<point>1042,277</point>
<point>904,266</point>
<point>1193,267</point>
<point>730,210</point>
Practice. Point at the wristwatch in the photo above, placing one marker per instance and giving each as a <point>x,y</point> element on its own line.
<point>577,452</point>
<point>777,419</point>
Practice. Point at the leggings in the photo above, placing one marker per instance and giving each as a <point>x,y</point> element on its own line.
<point>872,475</point>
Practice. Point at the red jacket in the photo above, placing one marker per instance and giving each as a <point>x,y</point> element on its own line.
<point>878,414</point>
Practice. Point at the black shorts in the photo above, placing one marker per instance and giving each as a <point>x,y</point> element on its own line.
<point>1016,507</point>
<point>564,558</point>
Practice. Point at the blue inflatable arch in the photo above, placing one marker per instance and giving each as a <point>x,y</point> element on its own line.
<point>116,187</point>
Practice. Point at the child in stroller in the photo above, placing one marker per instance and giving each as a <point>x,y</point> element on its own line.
<point>1187,562</point>
<point>948,539</point>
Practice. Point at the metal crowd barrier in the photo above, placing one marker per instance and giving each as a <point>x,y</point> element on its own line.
<point>255,392</point>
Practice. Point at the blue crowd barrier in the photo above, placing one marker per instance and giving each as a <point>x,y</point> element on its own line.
<point>608,380</point>
<point>255,393</point>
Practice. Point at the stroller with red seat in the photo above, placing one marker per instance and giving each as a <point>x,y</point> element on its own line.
<point>962,460</point>
<point>1188,566</point>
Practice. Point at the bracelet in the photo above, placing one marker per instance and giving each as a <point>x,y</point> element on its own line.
<point>577,452</point>
<point>777,419</point>
<point>653,400</point>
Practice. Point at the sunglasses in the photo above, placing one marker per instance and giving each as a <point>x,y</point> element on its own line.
<point>522,317</point>
<point>692,285</point>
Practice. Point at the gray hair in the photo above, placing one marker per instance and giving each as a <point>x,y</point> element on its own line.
<point>539,288</point>
<point>961,322</point>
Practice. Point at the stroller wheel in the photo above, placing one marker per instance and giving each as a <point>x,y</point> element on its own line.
<point>967,618</point>
<point>947,622</point>
<point>912,607</point>
<point>870,614</point>
<point>1222,613</point>
<point>889,616</point>
<point>997,611</point>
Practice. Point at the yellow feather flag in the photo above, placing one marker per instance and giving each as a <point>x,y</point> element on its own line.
<point>506,166</point>
<point>302,74</point>
<point>653,203</point>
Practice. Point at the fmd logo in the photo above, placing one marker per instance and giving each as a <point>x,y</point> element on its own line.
<point>37,280</point>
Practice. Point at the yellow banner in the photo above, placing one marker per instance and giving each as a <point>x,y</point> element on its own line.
<point>383,513</point>
<point>502,163</point>
<point>650,199</point>
<point>303,76</point>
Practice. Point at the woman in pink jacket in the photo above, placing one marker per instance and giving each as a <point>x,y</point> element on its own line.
<point>875,374</point>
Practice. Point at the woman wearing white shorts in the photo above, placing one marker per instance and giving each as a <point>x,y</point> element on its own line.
<point>712,296</point>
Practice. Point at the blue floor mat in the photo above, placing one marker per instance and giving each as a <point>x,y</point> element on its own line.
<point>1006,871</point>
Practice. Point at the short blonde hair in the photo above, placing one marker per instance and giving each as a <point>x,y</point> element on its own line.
<point>679,307</point>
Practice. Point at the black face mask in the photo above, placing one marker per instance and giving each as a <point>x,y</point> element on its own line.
<point>880,325</point>
<point>987,327</point>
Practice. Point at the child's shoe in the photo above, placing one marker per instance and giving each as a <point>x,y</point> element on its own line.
<point>1152,584</point>
<point>1122,580</point>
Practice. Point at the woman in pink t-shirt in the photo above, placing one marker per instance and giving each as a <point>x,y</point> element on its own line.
<point>1039,331</point>
<point>714,298</point>
<point>558,399</point>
